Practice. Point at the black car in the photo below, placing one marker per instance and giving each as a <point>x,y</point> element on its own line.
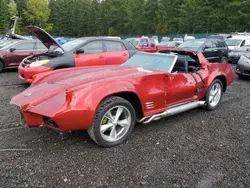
<point>214,50</point>
<point>243,66</point>
<point>235,54</point>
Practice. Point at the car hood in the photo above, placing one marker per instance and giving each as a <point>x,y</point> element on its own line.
<point>61,81</point>
<point>247,54</point>
<point>43,36</point>
<point>236,53</point>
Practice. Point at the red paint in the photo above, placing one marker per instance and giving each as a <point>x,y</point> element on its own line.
<point>71,97</point>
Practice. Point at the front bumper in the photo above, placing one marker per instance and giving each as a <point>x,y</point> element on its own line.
<point>25,72</point>
<point>243,69</point>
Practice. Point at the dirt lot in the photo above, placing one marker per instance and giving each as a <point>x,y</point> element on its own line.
<point>194,149</point>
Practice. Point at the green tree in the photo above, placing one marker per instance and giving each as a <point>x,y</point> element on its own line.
<point>4,15</point>
<point>37,13</point>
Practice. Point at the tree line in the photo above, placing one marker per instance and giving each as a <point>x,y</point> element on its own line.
<point>127,17</point>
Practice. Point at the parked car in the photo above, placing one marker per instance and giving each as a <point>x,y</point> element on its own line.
<point>12,52</point>
<point>178,39</point>
<point>235,54</point>
<point>243,66</point>
<point>234,43</point>
<point>214,50</point>
<point>86,51</point>
<point>165,39</point>
<point>144,44</point>
<point>107,101</point>
<point>168,45</point>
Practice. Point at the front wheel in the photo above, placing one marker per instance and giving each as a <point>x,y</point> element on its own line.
<point>214,95</point>
<point>113,123</point>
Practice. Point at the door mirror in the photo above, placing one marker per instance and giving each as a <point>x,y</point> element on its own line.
<point>12,49</point>
<point>80,51</point>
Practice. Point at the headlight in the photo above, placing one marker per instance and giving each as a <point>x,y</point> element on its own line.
<point>244,58</point>
<point>39,63</point>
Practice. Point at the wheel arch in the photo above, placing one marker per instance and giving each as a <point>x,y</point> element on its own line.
<point>130,96</point>
<point>223,79</point>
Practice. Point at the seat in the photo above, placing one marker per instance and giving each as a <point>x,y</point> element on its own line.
<point>181,65</point>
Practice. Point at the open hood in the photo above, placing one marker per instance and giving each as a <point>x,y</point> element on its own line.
<point>43,36</point>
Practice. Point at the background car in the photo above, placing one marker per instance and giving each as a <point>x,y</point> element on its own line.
<point>243,66</point>
<point>144,44</point>
<point>235,54</point>
<point>107,102</point>
<point>234,43</point>
<point>86,51</point>
<point>214,50</point>
<point>12,52</point>
<point>168,45</point>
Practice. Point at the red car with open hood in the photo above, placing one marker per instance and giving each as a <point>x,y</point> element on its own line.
<point>81,52</point>
<point>108,101</point>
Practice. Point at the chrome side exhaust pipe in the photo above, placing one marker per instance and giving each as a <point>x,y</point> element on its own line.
<point>172,111</point>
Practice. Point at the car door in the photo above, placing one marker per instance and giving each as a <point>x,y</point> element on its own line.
<point>90,54</point>
<point>116,52</point>
<point>210,51</point>
<point>181,87</point>
<point>18,52</point>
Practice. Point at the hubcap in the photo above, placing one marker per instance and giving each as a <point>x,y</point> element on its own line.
<point>215,94</point>
<point>115,123</point>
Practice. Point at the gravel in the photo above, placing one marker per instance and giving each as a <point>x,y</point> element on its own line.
<point>194,149</point>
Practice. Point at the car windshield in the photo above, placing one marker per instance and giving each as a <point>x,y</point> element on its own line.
<point>191,44</point>
<point>69,46</point>
<point>161,62</point>
<point>7,44</point>
<point>135,42</point>
<point>233,42</point>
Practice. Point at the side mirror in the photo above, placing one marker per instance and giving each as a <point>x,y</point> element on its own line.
<point>80,51</point>
<point>12,49</point>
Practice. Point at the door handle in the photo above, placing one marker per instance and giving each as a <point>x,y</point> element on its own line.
<point>124,54</point>
<point>101,57</point>
<point>31,53</point>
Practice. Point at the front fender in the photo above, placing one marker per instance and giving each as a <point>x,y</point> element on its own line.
<point>83,103</point>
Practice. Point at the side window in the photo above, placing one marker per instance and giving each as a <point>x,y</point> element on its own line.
<point>39,45</point>
<point>209,44</point>
<point>113,46</point>
<point>152,42</point>
<point>92,47</point>
<point>144,43</point>
<point>25,46</point>
<point>243,43</point>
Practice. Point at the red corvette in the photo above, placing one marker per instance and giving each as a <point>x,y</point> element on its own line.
<point>108,101</point>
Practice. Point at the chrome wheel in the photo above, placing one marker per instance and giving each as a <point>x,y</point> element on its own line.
<point>215,94</point>
<point>115,123</point>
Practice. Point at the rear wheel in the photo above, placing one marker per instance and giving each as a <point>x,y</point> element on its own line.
<point>113,123</point>
<point>214,95</point>
<point>1,66</point>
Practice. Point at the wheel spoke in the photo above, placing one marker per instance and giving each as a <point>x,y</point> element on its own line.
<point>123,123</point>
<point>106,127</point>
<point>110,116</point>
<point>118,113</point>
<point>113,133</point>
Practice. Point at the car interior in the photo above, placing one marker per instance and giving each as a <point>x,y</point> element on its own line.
<point>185,64</point>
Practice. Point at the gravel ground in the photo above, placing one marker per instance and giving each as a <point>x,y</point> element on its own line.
<point>194,149</point>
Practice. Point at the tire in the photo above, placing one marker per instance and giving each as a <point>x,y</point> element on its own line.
<point>223,59</point>
<point>243,77</point>
<point>216,97</point>
<point>110,109</point>
<point>1,66</point>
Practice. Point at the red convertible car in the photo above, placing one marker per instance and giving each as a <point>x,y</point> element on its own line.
<point>108,101</point>
<point>86,51</point>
